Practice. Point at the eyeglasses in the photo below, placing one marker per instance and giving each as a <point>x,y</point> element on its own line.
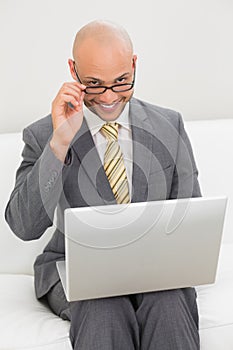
<point>97,90</point>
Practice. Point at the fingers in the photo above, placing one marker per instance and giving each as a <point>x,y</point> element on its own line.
<point>71,92</point>
<point>70,97</point>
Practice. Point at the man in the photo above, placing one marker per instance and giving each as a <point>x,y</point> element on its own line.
<point>68,161</point>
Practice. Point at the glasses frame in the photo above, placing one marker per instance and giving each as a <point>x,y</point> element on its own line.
<point>131,85</point>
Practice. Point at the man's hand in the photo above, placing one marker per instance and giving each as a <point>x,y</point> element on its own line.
<point>67,117</point>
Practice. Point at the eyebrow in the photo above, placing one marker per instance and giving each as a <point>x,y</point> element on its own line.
<point>102,82</point>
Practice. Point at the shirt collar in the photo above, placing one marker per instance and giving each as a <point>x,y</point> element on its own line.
<point>95,123</point>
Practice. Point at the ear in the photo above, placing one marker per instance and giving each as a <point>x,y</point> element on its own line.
<point>71,66</point>
<point>134,61</point>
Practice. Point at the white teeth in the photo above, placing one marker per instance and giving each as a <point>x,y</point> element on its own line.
<point>108,106</point>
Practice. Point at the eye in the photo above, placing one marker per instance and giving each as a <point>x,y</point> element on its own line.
<point>121,80</point>
<point>93,83</point>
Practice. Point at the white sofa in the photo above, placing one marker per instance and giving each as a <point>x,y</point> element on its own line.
<point>27,324</point>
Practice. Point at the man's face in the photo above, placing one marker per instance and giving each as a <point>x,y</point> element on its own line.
<point>105,65</point>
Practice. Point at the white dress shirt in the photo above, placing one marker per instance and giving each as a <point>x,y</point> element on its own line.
<point>124,138</point>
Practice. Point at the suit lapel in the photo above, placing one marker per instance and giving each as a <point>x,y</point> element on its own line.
<point>84,148</point>
<point>142,151</point>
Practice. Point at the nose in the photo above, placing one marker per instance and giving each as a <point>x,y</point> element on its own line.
<point>108,97</point>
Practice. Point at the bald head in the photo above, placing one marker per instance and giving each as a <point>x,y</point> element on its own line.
<point>103,33</point>
<point>103,56</point>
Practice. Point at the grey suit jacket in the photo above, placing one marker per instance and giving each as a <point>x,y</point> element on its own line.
<point>163,168</point>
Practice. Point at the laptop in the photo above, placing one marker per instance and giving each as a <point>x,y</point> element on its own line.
<point>141,247</point>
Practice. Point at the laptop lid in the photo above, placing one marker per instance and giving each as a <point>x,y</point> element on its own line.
<point>141,247</point>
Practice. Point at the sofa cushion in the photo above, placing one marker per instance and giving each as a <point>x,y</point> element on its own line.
<point>26,323</point>
<point>212,144</point>
<point>212,156</point>
<point>22,254</point>
<point>216,307</point>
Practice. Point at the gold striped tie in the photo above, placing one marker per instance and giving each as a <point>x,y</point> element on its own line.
<point>114,164</point>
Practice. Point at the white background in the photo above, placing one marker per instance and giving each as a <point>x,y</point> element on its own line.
<point>184,48</point>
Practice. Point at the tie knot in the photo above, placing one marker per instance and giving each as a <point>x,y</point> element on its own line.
<point>110,131</point>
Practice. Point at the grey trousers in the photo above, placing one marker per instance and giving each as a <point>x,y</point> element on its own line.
<point>166,320</point>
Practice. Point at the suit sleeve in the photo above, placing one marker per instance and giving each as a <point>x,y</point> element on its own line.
<point>37,190</point>
<point>185,178</point>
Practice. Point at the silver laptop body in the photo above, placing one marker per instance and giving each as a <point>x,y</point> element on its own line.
<point>141,247</point>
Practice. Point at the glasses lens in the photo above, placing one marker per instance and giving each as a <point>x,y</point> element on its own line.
<point>121,88</point>
<point>94,90</point>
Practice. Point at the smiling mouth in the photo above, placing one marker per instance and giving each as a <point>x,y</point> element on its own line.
<point>108,107</point>
<point>106,110</point>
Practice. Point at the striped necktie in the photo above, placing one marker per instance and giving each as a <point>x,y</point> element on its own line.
<point>114,164</point>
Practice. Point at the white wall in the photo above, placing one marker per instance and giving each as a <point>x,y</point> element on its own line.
<point>185,53</point>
